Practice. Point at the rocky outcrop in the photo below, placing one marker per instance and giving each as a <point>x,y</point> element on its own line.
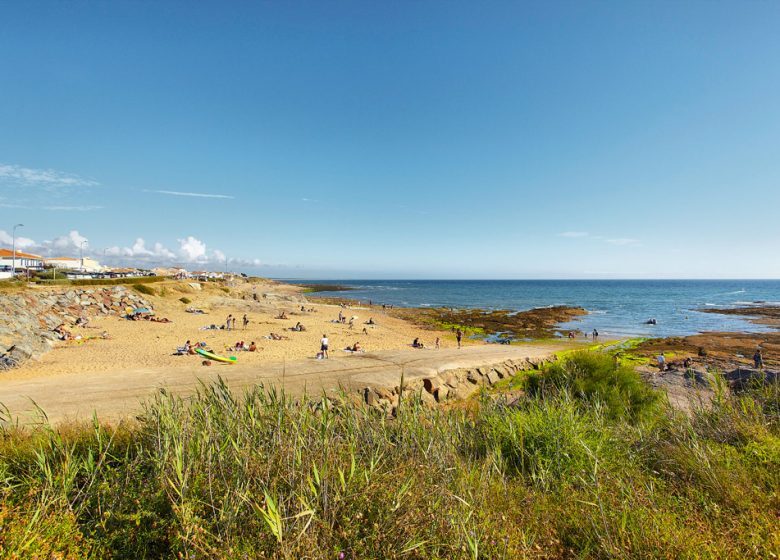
<point>447,385</point>
<point>28,319</point>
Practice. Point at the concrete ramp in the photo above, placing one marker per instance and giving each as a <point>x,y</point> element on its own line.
<point>375,377</point>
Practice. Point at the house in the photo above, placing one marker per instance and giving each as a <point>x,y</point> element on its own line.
<point>24,261</point>
<point>72,263</point>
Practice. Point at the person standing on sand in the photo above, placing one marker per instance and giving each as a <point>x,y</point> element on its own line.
<point>234,323</point>
<point>228,321</point>
<point>437,343</point>
<point>595,335</point>
<point>324,346</point>
<point>245,321</point>
<point>459,336</point>
<point>661,362</point>
<point>758,359</point>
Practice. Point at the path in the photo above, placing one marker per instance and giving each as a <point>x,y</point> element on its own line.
<point>117,394</point>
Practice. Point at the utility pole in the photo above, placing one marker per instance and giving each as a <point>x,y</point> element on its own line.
<point>13,257</point>
<point>82,255</point>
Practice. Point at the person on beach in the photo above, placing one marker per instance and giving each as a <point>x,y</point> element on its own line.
<point>245,321</point>
<point>228,322</point>
<point>352,323</point>
<point>437,343</point>
<point>252,346</point>
<point>234,324</point>
<point>324,346</point>
<point>661,362</point>
<point>595,335</point>
<point>459,336</point>
<point>758,359</point>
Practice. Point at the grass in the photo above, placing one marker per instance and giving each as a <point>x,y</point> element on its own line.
<point>185,300</point>
<point>144,289</point>
<point>102,281</point>
<point>261,475</point>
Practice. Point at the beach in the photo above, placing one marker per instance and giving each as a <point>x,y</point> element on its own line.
<point>146,344</point>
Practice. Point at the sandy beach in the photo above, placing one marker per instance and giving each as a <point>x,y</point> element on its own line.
<point>145,344</point>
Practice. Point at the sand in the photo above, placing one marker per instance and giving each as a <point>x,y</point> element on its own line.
<point>142,344</point>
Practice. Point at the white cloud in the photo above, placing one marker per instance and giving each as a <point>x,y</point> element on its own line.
<point>622,241</point>
<point>573,234</point>
<point>72,208</point>
<point>199,195</point>
<point>42,177</point>
<point>192,249</point>
<point>21,242</point>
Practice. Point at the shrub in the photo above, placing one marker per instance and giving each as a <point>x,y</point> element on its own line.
<point>144,289</point>
<point>597,378</point>
<point>185,300</point>
<point>547,441</point>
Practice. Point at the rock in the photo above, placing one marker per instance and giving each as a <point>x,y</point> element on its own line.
<point>465,390</point>
<point>473,377</point>
<point>431,384</point>
<point>492,377</point>
<point>742,378</point>
<point>441,393</point>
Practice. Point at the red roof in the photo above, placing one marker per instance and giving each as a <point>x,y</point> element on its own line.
<point>19,254</point>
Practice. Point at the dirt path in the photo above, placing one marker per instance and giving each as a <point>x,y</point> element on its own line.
<point>117,394</point>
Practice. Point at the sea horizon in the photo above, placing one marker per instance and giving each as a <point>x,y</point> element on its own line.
<point>616,308</point>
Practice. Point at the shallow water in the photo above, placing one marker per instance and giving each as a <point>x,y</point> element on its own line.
<point>618,308</point>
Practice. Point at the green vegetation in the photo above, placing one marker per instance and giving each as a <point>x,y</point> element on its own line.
<point>101,281</point>
<point>566,471</point>
<point>144,289</point>
<point>599,381</point>
<point>185,300</point>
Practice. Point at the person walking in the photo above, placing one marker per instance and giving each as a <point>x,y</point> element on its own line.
<point>437,343</point>
<point>661,362</point>
<point>758,359</point>
<point>233,327</point>
<point>324,346</point>
<point>595,335</point>
<point>245,321</point>
<point>459,336</point>
<point>228,322</point>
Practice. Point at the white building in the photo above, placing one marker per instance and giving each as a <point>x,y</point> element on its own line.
<point>72,263</point>
<point>24,261</point>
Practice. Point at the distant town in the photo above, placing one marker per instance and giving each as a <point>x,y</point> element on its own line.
<point>31,266</point>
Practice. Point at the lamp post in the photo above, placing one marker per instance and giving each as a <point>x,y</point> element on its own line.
<point>82,255</point>
<point>13,257</point>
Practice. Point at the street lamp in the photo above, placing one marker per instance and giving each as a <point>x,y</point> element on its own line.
<point>82,254</point>
<point>13,258</point>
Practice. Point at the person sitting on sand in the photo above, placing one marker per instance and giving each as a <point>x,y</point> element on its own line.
<point>370,321</point>
<point>275,336</point>
<point>62,333</point>
<point>281,315</point>
<point>365,331</point>
<point>417,343</point>
<point>252,347</point>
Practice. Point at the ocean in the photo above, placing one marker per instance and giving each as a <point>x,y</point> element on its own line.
<point>617,308</point>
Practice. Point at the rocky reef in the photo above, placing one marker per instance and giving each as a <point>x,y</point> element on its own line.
<point>540,322</point>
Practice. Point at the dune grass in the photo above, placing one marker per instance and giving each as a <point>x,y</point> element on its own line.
<point>260,475</point>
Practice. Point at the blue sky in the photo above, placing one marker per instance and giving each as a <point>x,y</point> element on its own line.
<point>403,139</point>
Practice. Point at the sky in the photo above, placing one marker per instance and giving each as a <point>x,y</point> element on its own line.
<point>403,139</point>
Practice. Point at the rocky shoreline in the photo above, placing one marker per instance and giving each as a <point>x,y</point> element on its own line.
<point>759,314</point>
<point>28,319</point>
<point>541,322</point>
